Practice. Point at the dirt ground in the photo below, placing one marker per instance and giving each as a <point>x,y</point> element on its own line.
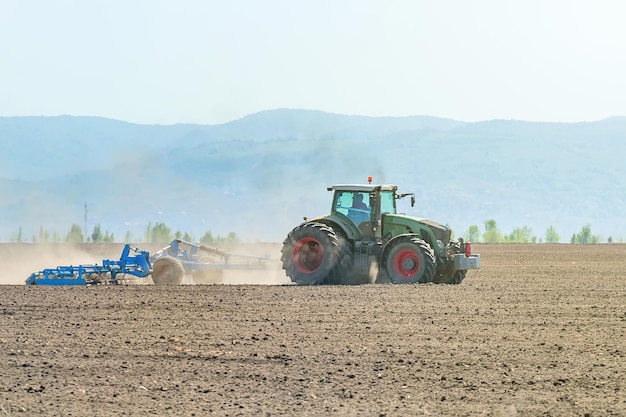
<point>540,330</point>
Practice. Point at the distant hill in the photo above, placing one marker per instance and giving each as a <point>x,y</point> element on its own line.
<point>77,144</point>
<point>259,175</point>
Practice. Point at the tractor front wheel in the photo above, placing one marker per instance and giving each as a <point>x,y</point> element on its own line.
<point>410,260</point>
<point>167,271</point>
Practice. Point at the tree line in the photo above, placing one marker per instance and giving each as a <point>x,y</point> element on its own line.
<point>153,233</point>
<point>524,234</point>
<point>161,233</point>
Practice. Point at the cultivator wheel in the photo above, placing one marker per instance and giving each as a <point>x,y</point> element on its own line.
<point>167,271</point>
<point>410,261</point>
<point>312,254</point>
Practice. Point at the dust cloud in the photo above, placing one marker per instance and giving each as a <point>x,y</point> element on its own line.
<point>270,276</point>
<point>264,270</point>
<point>373,274</point>
<point>19,260</point>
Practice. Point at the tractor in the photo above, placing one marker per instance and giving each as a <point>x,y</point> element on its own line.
<point>365,240</point>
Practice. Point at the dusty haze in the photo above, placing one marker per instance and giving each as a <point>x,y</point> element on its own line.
<point>19,260</point>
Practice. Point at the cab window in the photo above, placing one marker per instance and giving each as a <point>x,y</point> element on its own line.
<point>354,205</point>
<point>387,203</point>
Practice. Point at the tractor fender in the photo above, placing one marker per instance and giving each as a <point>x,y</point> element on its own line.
<point>342,225</point>
<point>389,244</point>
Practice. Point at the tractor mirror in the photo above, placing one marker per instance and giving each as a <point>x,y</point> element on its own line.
<point>404,195</point>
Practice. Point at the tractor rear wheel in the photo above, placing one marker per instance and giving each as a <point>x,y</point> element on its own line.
<point>312,255</point>
<point>167,271</point>
<point>410,260</point>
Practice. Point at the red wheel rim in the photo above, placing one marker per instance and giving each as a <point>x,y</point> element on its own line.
<point>406,264</point>
<point>308,255</point>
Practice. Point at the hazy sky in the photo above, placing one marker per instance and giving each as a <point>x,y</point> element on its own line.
<point>205,61</point>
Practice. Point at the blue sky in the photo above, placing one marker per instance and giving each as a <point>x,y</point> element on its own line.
<point>195,61</point>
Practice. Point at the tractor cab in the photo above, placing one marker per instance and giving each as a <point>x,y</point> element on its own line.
<point>355,204</point>
<point>365,205</point>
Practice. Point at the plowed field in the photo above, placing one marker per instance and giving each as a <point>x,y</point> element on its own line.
<point>539,330</point>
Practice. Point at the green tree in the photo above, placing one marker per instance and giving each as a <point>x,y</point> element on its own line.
<point>108,237</point>
<point>551,235</point>
<point>159,233</point>
<point>585,237</point>
<point>96,235</point>
<point>44,235</point>
<point>75,235</point>
<point>521,235</point>
<point>472,234</point>
<point>492,234</point>
<point>207,238</point>
<point>232,238</point>
<point>17,237</point>
<point>183,236</point>
<point>147,232</point>
<point>128,237</point>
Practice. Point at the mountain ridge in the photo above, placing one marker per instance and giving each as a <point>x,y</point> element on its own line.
<point>206,177</point>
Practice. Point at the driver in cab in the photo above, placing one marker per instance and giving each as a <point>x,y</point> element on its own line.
<point>359,212</point>
<point>358,203</point>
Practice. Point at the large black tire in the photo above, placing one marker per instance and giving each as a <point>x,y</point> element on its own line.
<point>409,261</point>
<point>314,254</point>
<point>167,271</point>
<point>345,274</point>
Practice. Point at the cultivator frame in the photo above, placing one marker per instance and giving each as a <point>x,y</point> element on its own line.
<point>204,263</point>
<point>198,257</point>
<point>137,265</point>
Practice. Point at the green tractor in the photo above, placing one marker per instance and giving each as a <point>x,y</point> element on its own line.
<point>364,240</point>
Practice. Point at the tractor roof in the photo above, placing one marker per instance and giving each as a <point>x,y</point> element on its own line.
<point>363,187</point>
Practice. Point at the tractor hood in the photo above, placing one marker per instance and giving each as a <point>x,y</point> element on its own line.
<point>440,231</point>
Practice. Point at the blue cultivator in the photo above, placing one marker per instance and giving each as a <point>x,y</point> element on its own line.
<point>167,267</point>
<point>138,265</point>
